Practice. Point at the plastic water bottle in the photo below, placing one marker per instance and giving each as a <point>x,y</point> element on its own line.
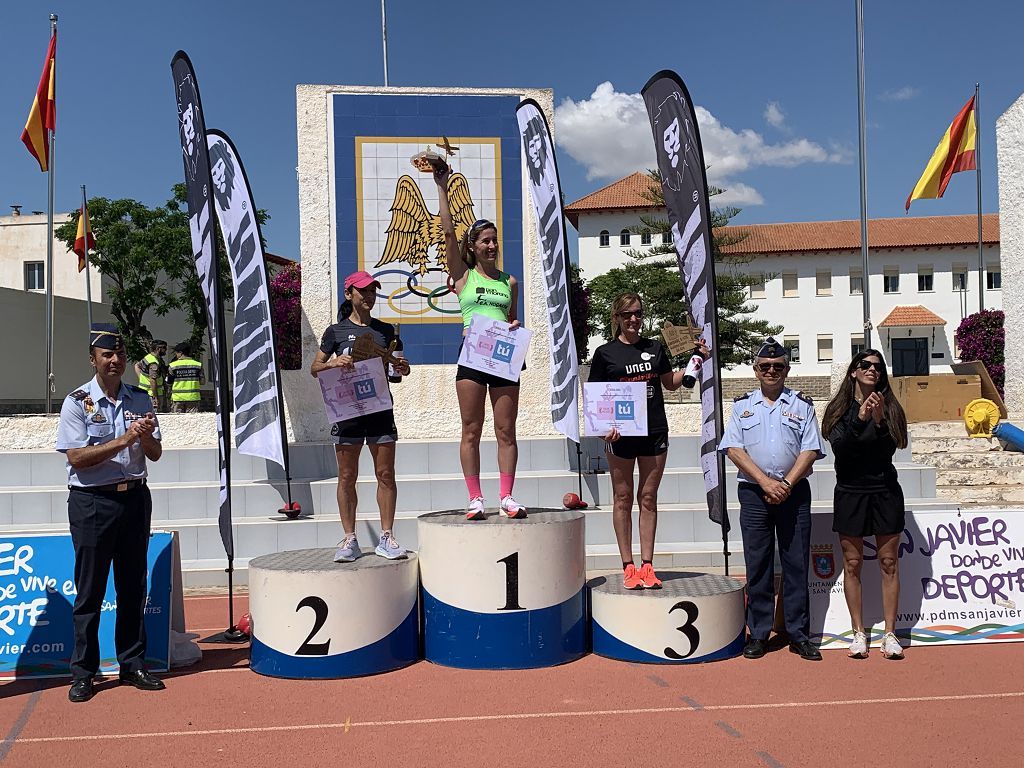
<point>692,370</point>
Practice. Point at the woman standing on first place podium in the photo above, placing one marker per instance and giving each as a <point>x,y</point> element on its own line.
<point>485,290</point>
<point>865,424</point>
<point>377,430</point>
<point>631,357</point>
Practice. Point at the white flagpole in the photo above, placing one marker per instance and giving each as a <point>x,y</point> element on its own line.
<point>977,176</point>
<point>88,278</point>
<point>384,38</point>
<point>50,384</point>
<point>862,131</point>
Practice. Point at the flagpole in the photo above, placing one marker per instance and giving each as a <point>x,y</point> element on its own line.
<point>862,133</point>
<point>977,176</point>
<point>384,38</point>
<point>88,279</point>
<point>50,388</point>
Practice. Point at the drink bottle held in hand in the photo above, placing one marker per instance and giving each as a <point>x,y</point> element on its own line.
<point>692,371</point>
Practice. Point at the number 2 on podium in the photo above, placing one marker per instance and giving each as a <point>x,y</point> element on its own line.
<point>511,583</point>
<point>320,609</point>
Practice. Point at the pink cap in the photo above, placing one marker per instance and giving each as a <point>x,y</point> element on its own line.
<point>360,280</point>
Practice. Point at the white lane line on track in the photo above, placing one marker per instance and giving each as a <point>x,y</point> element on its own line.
<point>512,716</point>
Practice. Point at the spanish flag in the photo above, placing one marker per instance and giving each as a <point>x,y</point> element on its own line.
<point>954,153</point>
<point>43,116</point>
<point>84,239</point>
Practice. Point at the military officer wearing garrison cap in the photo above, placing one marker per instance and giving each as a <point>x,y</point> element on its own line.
<point>773,440</point>
<point>107,430</point>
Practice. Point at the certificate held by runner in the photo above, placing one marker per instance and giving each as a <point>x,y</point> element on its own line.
<point>618,404</point>
<point>357,391</point>
<point>492,347</point>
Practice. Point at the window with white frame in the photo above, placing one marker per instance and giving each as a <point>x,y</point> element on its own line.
<point>856,344</point>
<point>604,238</point>
<point>823,283</point>
<point>856,282</point>
<point>925,280</point>
<point>959,277</point>
<point>757,288</point>
<point>993,278</point>
<point>645,238</point>
<point>789,285</point>
<point>666,238</point>
<point>624,237</point>
<point>891,280</point>
<point>792,343</point>
<point>824,349</point>
<point>34,276</point>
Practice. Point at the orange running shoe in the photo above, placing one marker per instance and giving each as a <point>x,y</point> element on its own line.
<point>631,578</point>
<point>646,574</point>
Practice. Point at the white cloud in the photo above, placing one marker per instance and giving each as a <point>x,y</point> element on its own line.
<point>609,134</point>
<point>774,115</point>
<point>905,93</point>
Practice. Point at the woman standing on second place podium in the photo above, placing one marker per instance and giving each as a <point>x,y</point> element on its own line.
<point>631,357</point>
<point>485,290</point>
<point>865,424</point>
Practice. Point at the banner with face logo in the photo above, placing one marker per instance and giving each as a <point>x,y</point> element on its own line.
<point>539,159</point>
<point>681,164</point>
<point>192,130</point>
<point>259,426</point>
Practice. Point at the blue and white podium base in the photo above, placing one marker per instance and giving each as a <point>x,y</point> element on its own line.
<point>314,618</point>
<point>694,617</point>
<point>501,593</point>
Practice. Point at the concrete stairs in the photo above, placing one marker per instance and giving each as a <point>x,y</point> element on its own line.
<point>184,486</point>
<point>970,471</point>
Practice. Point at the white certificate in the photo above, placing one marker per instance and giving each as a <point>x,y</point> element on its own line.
<point>351,392</point>
<point>491,347</point>
<point>619,404</point>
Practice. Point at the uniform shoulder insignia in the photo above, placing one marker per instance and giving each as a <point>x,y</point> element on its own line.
<point>743,396</point>
<point>805,398</point>
<point>79,394</point>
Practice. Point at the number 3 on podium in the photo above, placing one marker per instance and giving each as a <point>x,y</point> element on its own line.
<point>689,630</point>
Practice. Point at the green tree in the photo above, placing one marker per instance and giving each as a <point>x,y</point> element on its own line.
<point>652,272</point>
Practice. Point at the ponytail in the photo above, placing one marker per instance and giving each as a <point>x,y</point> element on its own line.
<point>344,310</point>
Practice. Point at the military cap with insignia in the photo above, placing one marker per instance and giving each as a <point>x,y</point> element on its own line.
<point>105,336</point>
<point>771,348</point>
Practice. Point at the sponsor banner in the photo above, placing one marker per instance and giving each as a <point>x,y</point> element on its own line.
<point>37,593</point>
<point>618,404</point>
<point>546,192</point>
<point>961,580</point>
<point>257,391</point>
<point>681,165</point>
<point>192,131</point>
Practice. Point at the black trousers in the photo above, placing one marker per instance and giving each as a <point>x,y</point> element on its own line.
<point>109,528</point>
<point>762,525</point>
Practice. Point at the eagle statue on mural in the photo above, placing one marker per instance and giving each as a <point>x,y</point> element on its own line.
<point>413,229</point>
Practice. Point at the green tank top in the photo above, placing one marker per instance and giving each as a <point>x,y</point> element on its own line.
<point>483,296</point>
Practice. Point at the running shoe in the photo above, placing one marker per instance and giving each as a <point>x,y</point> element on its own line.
<point>389,548</point>
<point>348,550</point>
<point>891,648</point>
<point>647,576</point>
<point>475,509</point>
<point>631,578</point>
<point>513,508</point>
<point>858,646</point>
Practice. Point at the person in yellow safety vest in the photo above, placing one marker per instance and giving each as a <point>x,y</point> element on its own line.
<point>151,371</point>
<point>185,376</point>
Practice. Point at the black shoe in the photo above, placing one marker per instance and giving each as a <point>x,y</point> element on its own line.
<point>142,680</point>
<point>755,649</point>
<point>806,650</point>
<point>81,690</point>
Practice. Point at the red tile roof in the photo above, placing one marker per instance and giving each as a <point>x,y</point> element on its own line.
<point>631,192</point>
<point>910,314</point>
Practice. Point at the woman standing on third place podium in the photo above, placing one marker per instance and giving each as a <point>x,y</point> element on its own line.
<point>484,290</point>
<point>377,430</point>
<point>865,424</point>
<point>631,357</point>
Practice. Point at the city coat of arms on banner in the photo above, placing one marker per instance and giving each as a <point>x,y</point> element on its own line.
<point>823,560</point>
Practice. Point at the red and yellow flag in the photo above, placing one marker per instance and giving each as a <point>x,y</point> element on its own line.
<point>954,153</point>
<point>84,239</point>
<point>43,116</point>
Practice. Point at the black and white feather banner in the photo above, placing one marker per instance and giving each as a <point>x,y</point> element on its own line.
<point>546,191</point>
<point>683,179</point>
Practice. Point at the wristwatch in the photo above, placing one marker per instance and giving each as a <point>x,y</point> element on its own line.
<point>785,482</point>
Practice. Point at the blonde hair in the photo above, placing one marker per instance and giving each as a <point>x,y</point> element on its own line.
<point>620,304</point>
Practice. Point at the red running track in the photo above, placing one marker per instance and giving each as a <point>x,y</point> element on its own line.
<point>953,706</point>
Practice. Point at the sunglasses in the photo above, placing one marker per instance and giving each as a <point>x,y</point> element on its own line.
<point>638,314</point>
<point>481,224</point>
<point>765,367</point>
<point>866,365</point>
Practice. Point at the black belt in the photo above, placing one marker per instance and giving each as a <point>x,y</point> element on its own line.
<point>124,485</point>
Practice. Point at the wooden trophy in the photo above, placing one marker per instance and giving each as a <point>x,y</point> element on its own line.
<point>679,339</point>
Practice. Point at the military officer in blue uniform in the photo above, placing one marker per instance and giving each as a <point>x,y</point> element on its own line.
<point>773,440</point>
<point>107,430</point>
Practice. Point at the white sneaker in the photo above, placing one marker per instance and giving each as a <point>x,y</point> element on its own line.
<point>513,508</point>
<point>858,646</point>
<point>475,509</point>
<point>891,648</point>
<point>389,548</point>
<point>348,550</point>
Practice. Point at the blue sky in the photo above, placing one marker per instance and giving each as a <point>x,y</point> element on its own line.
<point>776,83</point>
